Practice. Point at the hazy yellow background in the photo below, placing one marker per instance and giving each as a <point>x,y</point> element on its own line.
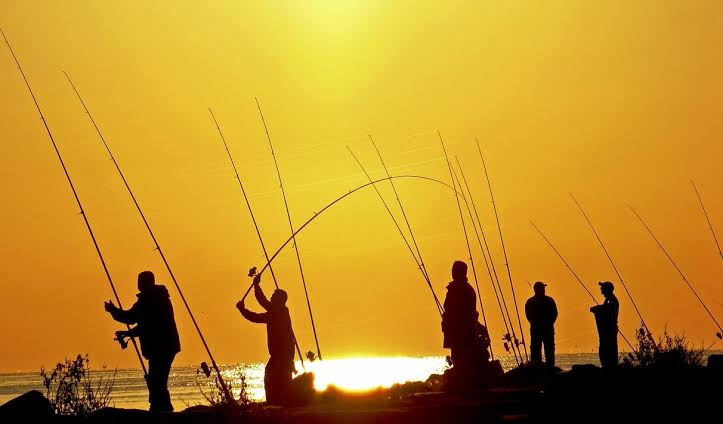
<point>615,101</point>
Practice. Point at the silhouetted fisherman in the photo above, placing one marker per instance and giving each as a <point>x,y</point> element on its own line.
<point>541,312</point>
<point>280,338</point>
<point>606,318</point>
<point>156,329</point>
<point>459,321</point>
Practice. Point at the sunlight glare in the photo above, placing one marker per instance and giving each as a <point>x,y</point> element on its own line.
<point>361,374</point>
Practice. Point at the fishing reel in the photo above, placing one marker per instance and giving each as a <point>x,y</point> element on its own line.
<point>719,335</point>
<point>252,272</point>
<point>311,356</point>
<point>122,338</point>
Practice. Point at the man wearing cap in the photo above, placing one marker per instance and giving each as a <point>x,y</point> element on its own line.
<point>606,318</point>
<point>280,339</point>
<point>156,329</point>
<point>541,312</point>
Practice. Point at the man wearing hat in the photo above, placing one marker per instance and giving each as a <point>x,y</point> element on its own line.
<point>541,312</point>
<point>606,318</point>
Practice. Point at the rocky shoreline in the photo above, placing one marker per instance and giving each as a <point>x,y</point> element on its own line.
<point>527,395</point>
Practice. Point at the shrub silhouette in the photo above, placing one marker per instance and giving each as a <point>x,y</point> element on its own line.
<point>669,351</point>
<point>215,395</point>
<point>71,390</point>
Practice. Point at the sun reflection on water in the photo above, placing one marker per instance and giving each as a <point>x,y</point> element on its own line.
<point>359,374</point>
<point>349,374</point>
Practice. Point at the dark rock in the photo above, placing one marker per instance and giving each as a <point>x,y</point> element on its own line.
<point>485,375</point>
<point>302,390</point>
<point>530,374</point>
<point>715,362</point>
<point>29,407</point>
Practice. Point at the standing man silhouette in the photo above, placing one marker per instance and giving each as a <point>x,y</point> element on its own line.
<point>156,329</point>
<point>541,312</point>
<point>606,318</point>
<point>459,320</point>
<point>280,339</point>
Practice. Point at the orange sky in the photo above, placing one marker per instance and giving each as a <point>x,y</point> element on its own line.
<point>616,103</point>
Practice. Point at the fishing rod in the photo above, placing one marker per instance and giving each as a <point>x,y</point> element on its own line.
<point>475,226</point>
<point>707,219</point>
<point>401,208</point>
<point>291,228</point>
<point>510,339</point>
<point>77,198</point>
<point>464,226</point>
<point>469,212</point>
<point>574,274</point>
<point>579,280</point>
<point>334,202</point>
<point>396,224</point>
<point>620,277</point>
<point>225,389</point>
<point>504,250</point>
<point>719,334</point>
<point>251,212</point>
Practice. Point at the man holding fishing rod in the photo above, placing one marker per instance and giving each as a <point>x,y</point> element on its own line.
<point>606,318</point>
<point>156,329</point>
<point>280,339</point>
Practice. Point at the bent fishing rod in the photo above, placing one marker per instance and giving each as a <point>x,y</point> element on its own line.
<point>329,205</point>
<point>574,274</point>
<point>77,197</point>
<point>440,309</point>
<point>291,228</point>
<point>719,334</point>
<point>404,213</point>
<point>251,212</point>
<point>615,268</point>
<point>705,212</point>
<point>477,227</point>
<point>504,249</point>
<point>225,389</point>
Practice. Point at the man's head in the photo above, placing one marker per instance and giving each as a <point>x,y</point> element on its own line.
<point>146,279</point>
<point>459,271</point>
<point>539,288</point>
<point>606,288</point>
<point>279,298</point>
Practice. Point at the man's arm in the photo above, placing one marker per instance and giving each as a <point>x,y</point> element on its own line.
<point>259,294</point>
<point>261,318</point>
<point>554,311</point>
<point>126,317</point>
